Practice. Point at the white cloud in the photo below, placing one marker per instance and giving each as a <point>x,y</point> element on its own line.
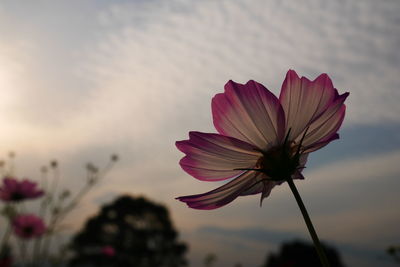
<point>172,58</point>
<point>130,71</point>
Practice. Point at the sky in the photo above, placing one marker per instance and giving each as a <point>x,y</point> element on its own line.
<point>83,79</point>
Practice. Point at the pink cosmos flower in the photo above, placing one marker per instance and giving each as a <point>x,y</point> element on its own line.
<point>28,226</point>
<point>108,251</point>
<point>263,140</point>
<point>14,190</point>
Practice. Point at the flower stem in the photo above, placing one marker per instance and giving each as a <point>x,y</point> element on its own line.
<point>314,236</point>
<point>6,237</point>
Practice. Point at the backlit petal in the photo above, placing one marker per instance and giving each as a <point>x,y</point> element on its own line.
<point>321,144</point>
<point>214,157</point>
<point>303,100</point>
<point>222,195</point>
<point>26,186</point>
<point>10,184</point>
<point>250,113</point>
<point>325,126</point>
<point>257,186</point>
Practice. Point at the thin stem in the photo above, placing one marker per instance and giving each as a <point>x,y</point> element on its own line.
<point>42,213</point>
<point>22,247</point>
<point>72,204</point>
<point>314,236</point>
<point>6,236</point>
<point>50,204</point>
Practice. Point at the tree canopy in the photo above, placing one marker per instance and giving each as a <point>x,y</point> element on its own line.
<point>301,254</point>
<point>131,231</point>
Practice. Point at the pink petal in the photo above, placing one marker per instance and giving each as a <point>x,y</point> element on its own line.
<point>22,222</point>
<point>258,185</point>
<point>27,186</point>
<point>29,190</point>
<point>5,195</point>
<point>321,144</point>
<point>267,188</point>
<point>263,186</point>
<point>302,161</point>
<point>214,157</point>
<point>303,100</point>
<point>325,127</point>
<point>222,195</point>
<point>10,184</point>
<point>250,113</point>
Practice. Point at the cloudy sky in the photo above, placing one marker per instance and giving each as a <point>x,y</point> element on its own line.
<point>83,79</point>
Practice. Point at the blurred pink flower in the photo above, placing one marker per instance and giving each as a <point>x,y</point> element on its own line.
<point>262,140</point>
<point>108,251</point>
<point>28,226</point>
<point>14,190</point>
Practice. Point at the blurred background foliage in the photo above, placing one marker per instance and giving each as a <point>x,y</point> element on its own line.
<point>140,231</point>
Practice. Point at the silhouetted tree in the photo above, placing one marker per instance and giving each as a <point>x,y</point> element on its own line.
<point>394,252</point>
<point>129,232</point>
<point>300,254</point>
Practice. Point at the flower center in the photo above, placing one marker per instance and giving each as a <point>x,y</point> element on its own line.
<point>16,196</point>
<point>28,231</point>
<point>279,163</point>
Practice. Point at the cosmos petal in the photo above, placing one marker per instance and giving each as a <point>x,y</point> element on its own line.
<point>249,112</point>
<point>14,190</point>
<point>221,195</point>
<point>321,144</point>
<point>303,100</point>
<point>302,161</point>
<point>34,224</point>
<point>214,157</point>
<point>29,190</point>
<point>267,188</point>
<point>257,186</point>
<point>27,186</point>
<point>325,127</point>
<point>10,184</point>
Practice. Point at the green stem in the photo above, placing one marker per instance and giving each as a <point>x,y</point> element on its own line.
<point>314,236</point>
